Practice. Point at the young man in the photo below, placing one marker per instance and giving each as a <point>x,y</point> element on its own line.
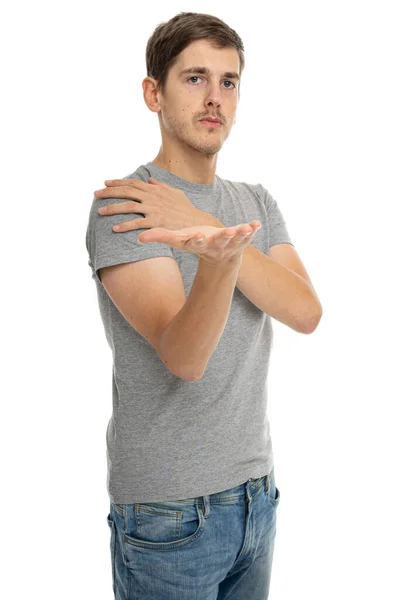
<point>186,301</point>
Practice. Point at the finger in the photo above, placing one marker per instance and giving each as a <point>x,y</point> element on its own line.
<point>196,242</point>
<point>162,235</point>
<point>242,236</point>
<point>225,236</point>
<point>118,208</point>
<point>135,183</point>
<point>131,225</point>
<point>245,233</point>
<point>256,225</point>
<point>221,238</point>
<point>238,230</point>
<point>252,227</point>
<point>174,238</point>
<point>114,182</point>
<point>156,182</point>
<point>123,191</point>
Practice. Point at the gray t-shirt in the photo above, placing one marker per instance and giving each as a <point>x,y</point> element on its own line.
<point>168,438</point>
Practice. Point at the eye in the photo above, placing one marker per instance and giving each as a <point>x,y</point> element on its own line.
<point>226,80</point>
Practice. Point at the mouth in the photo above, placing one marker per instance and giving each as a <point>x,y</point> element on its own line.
<point>214,124</point>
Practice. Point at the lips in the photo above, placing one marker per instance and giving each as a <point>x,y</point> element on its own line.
<point>213,120</point>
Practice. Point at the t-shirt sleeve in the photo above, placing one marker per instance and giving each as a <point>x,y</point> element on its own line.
<point>107,247</point>
<point>277,229</point>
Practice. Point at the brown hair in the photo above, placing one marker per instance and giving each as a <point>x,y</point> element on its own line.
<point>171,37</point>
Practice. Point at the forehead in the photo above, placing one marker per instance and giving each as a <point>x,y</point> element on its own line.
<point>202,52</point>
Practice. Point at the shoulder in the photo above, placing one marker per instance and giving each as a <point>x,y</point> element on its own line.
<point>141,173</point>
<point>255,189</point>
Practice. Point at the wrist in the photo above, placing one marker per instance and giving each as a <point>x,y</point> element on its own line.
<point>222,267</point>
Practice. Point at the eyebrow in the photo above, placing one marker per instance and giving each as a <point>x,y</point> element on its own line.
<point>206,71</point>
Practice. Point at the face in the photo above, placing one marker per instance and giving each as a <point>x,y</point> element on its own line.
<point>191,96</point>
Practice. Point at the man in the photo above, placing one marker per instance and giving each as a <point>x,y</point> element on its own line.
<point>186,301</point>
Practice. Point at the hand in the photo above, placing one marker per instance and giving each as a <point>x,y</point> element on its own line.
<point>211,244</point>
<point>163,205</point>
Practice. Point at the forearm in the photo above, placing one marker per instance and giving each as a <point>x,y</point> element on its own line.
<point>190,339</point>
<point>273,288</point>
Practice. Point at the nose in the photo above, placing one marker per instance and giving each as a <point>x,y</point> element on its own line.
<point>214,96</point>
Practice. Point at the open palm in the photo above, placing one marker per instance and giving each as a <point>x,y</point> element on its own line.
<point>211,243</point>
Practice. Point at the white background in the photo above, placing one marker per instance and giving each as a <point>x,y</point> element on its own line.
<point>318,126</point>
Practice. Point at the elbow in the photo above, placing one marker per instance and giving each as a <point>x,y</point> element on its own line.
<point>179,372</point>
<point>312,322</point>
<point>193,378</point>
<point>189,377</point>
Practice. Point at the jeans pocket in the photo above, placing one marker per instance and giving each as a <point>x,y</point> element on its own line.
<point>163,526</point>
<point>112,548</point>
<point>118,508</point>
<point>273,492</point>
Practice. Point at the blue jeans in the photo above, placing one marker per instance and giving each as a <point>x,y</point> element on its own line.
<point>215,547</point>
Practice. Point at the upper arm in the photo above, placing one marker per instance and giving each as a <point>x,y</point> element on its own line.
<point>148,293</point>
<point>143,280</point>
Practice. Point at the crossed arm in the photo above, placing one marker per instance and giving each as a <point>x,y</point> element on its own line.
<point>277,284</point>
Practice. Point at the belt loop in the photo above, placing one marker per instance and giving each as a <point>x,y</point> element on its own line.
<point>267,483</point>
<point>206,506</point>
<point>247,486</point>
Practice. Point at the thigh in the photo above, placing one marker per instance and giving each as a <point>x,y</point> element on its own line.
<point>252,581</point>
<point>120,575</point>
<point>252,578</point>
<point>159,552</point>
